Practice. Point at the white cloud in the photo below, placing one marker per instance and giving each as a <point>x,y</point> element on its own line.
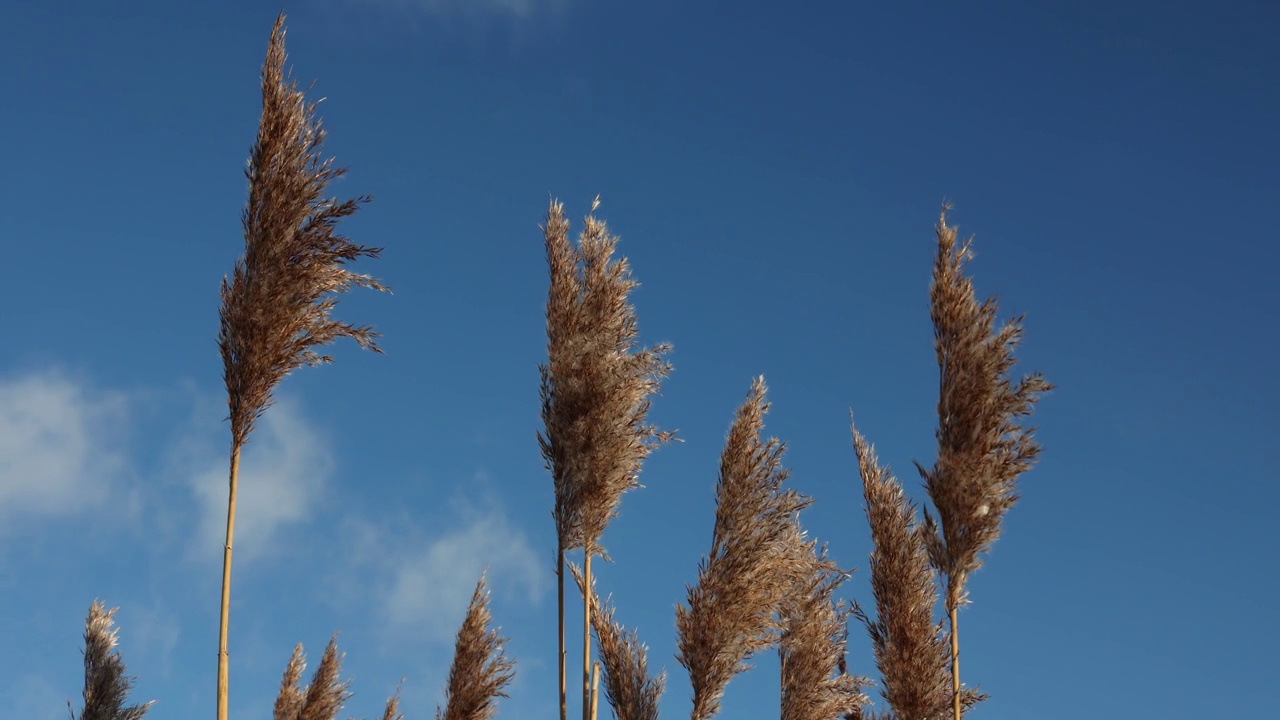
<point>60,449</point>
<point>423,583</point>
<point>284,472</point>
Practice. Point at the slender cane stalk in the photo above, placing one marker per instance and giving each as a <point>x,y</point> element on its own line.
<point>955,664</point>
<point>226,583</point>
<point>595,689</point>
<point>586,638</point>
<point>564,707</point>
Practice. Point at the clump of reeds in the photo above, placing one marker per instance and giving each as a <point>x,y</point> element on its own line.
<point>811,648</point>
<point>731,612</point>
<point>631,691</point>
<point>324,697</point>
<point>982,449</point>
<point>480,671</point>
<point>106,687</point>
<point>596,390</point>
<point>982,445</point>
<point>276,306</point>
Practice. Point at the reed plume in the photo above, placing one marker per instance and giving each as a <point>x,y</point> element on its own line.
<point>631,691</point>
<point>106,687</point>
<point>982,446</point>
<point>811,649</point>
<point>595,392</point>
<point>276,306</point>
<point>392,709</point>
<point>327,693</point>
<point>752,563</point>
<point>323,697</point>
<point>480,671</point>
<point>910,648</point>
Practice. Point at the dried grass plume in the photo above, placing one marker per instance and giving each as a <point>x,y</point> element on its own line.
<point>596,389</point>
<point>596,385</point>
<point>752,563</point>
<point>276,306</point>
<point>811,649</point>
<point>106,687</point>
<point>982,444</point>
<point>324,697</point>
<point>910,647</point>
<point>480,671</point>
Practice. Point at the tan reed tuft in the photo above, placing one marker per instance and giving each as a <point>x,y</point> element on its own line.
<point>322,698</point>
<point>596,390</point>
<point>326,694</point>
<point>276,306</point>
<point>392,710</point>
<point>631,691</point>
<point>106,687</point>
<point>811,648</point>
<point>910,648</point>
<point>752,563</point>
<point>982,445</point>
<point>480,671</point>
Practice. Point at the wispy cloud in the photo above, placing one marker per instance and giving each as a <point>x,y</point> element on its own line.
<point>422,582</point>
<point>284,473</point>
<point>60,447</point>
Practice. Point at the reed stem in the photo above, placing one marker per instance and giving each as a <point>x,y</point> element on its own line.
<point>226,583</point>
<point>586,636</point>
<point>564,707</point>
<point>955,664</point>
<point>595,689</point>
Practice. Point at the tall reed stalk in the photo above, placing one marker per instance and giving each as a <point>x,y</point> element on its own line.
<point>596,390</point>
<point>276,306</point>
<point>982,445</point>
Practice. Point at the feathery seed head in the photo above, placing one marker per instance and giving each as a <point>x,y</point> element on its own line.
<point>752,563</point>
<point>323,697</point>
<point>106,687</point>
<point>276,305</point>
<point>811,648</point>
<point>910,649</point>
<point>480,670</point>
<point>596,386</point>
<point>982,446</point>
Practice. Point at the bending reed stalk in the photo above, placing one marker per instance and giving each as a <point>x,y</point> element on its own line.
<point>276,304</point>
<point>982,445</point>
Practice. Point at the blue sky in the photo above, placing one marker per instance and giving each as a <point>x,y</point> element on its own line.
<point>774,176</point>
